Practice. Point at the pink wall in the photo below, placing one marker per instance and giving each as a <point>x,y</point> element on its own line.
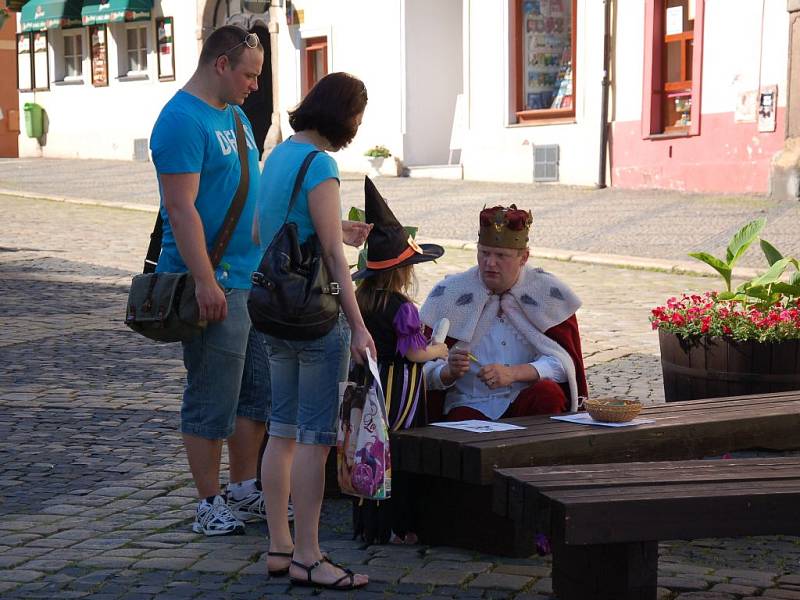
<point>726,157</point>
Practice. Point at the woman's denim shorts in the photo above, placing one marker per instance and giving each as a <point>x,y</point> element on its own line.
<point>305,385</point>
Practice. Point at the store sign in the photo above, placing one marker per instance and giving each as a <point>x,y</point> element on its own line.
<point>99,54</point>
<point>166,49</point>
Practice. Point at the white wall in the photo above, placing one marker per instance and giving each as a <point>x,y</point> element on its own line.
<point>736,56</point>
<point>364,39</point>
<point>102,122</point>
<point>495,148</point>
<point>434,73</point>
<point>628,62</point>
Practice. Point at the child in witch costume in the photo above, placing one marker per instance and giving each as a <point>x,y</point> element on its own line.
<point>392,318</point>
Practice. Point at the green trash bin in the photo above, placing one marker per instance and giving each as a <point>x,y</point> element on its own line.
<point>33,120</point>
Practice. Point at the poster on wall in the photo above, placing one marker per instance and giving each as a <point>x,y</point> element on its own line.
<point>767,107</point>
<point>41,63</point>
<point>547,53</point>
<point>99,52</point>
<point>674,20</point>
<point>24,62</point>
<point>166,49</point>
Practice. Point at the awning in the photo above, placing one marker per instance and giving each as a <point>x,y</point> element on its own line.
<point>40,15</point>
<point>115,11</point>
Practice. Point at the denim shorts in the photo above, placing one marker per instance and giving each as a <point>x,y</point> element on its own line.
<point>226,374</point>
<point>305,386</point>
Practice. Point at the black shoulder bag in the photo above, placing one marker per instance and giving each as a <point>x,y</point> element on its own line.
<point>162,306</point>
<point>292,297</point>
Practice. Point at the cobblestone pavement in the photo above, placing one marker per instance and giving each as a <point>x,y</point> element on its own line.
<point>657,225</point>
<point>95,497</point>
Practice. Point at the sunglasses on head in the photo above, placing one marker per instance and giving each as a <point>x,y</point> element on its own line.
<point>250,40</point>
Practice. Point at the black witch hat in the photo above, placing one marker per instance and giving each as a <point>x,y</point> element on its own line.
<point>388,245</point>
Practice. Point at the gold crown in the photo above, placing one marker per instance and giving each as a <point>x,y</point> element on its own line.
<point>503,227</point>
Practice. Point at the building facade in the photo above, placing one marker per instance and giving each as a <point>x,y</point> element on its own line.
<point>700,94</point>
<point>677,94</point>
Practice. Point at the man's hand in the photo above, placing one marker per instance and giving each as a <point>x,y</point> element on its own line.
<point>354,233</point>
<point>457,365</point>
<point>212,301</point>
<point>497,376</point>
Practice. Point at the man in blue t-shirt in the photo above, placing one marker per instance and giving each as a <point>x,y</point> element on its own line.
<point>196,157</point>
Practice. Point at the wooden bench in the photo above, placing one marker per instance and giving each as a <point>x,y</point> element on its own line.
<point>452,471</point>
<point>604,521</point>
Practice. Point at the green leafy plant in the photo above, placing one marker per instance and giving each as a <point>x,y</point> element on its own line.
<point>766,308</point>
<point>378,152</point>
<point>358,214</point>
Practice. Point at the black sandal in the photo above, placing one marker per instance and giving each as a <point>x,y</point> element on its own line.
<point>279,572</point>
<point>335,585</point>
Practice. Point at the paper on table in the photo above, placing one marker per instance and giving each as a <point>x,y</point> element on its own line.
<point>586,419</point>
<point>478,426</point>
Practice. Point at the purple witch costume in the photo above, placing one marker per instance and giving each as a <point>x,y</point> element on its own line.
<point>395,329</point>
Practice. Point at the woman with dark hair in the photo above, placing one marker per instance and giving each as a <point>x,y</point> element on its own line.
<point>305,374</point>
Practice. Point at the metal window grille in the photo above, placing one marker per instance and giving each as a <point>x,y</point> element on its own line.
<point>545,162</point>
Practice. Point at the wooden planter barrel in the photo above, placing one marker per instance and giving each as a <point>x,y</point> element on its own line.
<point>713,367</point>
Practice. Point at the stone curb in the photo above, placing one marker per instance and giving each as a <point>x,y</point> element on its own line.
<point>611,260</point>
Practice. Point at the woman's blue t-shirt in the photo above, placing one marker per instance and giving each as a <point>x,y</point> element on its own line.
<point>277,182</point>
<point>191,136</point>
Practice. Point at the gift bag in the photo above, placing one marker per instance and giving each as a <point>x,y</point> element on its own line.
<point>362,442</point>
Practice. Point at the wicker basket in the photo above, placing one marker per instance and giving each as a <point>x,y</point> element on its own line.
<point>613,411</point>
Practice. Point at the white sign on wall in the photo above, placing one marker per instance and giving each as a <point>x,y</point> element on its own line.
<point>674,20</point>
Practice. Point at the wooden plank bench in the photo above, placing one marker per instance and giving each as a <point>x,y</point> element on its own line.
<point>604,521</point>
<point>452,471</point>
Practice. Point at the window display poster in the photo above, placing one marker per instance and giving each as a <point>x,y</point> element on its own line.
<point>41,64</point>
<point>166,49</point>
<point>24,62</point>
<point>99,51</point>
<point>546,52</point>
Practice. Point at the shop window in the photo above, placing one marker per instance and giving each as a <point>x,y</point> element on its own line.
<point>316,61</point>
<point>165,48</point>
<point>673,45</point>
<point>135,51</point>
<point>73,56</point>
<point>25,62</point>
<point>543,79</point>
<point>33,64</point>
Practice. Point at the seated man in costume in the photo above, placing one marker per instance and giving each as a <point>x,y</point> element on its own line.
<point>514,344</point>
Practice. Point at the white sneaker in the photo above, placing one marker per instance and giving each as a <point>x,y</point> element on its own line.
<point>249,508</point>
<point>215,518</point>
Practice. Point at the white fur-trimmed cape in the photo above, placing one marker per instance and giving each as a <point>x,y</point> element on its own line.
<point>537,302</point>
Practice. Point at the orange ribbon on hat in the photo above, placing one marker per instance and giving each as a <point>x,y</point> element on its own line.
<point>413,248</point>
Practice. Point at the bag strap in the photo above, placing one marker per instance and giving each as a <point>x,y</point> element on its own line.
<point>298,181</point>
<point>231,218</point>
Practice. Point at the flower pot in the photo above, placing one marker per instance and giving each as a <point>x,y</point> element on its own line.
<point>375,164</point>
<point>713,367</point>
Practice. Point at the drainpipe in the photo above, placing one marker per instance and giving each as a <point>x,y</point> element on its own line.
<point>601,173</point>
<point>274,136</point>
